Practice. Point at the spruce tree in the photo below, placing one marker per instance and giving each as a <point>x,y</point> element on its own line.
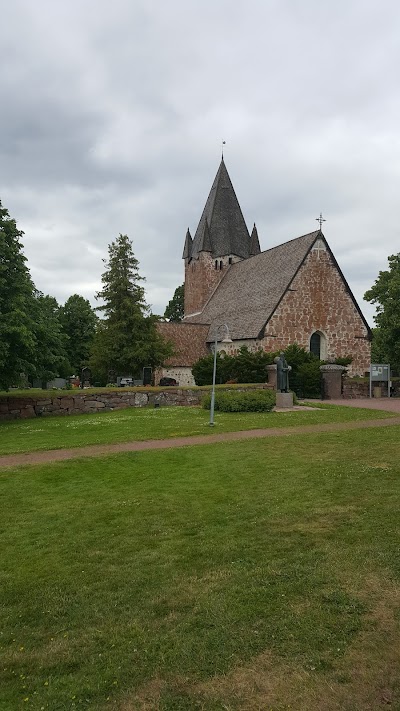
<point>17,340</point>
<point>78,321</point>
<point>127,338</point>
<point>50,357</point>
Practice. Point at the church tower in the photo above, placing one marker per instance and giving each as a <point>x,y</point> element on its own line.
<point>221,239</point>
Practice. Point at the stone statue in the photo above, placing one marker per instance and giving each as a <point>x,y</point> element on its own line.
<point>282,374</point>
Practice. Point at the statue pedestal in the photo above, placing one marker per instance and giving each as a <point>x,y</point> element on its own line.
<point>284,400</point>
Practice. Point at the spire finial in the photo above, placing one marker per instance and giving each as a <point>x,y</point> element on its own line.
<point>320,219</point>
<point>222,149</point>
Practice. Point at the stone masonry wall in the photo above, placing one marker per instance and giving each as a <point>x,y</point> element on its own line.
<point>201,279</point>
<point>318,301</point>
<point>183,376</point>
<point>353,389</point>
<point>12,408</point>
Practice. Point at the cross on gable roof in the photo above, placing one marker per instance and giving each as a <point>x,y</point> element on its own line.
<point>250,290</point>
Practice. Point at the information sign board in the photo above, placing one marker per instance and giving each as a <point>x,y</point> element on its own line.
<point>379,373</point>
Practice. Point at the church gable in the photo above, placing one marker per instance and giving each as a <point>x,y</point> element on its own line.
<point>252,288</point>
<point>318,311</point>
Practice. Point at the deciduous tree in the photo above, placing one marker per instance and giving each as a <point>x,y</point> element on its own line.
<point>175,308</point>
<point>385,293</point>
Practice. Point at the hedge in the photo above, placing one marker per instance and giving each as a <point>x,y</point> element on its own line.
<point>250,401</point>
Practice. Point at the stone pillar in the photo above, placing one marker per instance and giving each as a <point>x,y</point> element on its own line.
<point>272,375</point>
<point>332,381</point>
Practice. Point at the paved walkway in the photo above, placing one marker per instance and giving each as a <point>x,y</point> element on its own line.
<point>391,404</point>
<point>57,455</point>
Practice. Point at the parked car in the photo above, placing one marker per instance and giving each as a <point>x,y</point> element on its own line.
<point>168,381</point>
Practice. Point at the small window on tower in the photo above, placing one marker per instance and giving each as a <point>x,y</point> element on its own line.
<point>230,260</point>
<point>216,263</point>
<point>221,264</point>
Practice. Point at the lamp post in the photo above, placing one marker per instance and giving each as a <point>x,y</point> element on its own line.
<point>227,339</point>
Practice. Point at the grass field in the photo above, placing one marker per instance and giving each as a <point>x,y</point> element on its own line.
<point>148,423</point>
<point>245,576</point>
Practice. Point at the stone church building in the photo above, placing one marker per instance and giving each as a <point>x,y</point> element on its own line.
<point>292,293</point>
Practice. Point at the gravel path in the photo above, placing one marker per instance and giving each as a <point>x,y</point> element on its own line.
<point>58,455</point>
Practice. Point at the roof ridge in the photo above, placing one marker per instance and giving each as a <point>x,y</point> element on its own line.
<point>308,234</point>
<point>271,249</point>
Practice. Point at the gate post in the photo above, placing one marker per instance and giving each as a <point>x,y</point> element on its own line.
<point>272,375</point>
<point>332,381</point>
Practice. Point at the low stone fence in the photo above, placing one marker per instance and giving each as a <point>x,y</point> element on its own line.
<point>76,403</point>
<point>353,389</point>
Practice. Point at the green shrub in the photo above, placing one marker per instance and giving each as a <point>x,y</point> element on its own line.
<point>244,367</point>
<point>203,369</point>
<point>305,377</point>
<point>346,360</point>
<point>308,379</point>
<point>250,366</point>
<point>247,401</point>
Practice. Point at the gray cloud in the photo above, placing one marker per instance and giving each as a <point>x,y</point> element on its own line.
<point>112,118</point>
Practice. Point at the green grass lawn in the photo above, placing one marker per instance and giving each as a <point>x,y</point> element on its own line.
<point>242,576</point>
<point>149,423</point>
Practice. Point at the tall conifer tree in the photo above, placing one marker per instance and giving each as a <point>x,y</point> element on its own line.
<point>78,321</point>
<point>127,338</point>
<point>17,341</point>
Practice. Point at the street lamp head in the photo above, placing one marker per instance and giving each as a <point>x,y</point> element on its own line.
<point>227,338</point>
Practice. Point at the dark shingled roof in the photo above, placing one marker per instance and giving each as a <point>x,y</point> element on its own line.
<point>187,249</point>
<point>222,229</point>
<point>250,290</point>
<point>254,242</point>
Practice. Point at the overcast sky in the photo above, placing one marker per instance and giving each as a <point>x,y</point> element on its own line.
<point>112,116</point>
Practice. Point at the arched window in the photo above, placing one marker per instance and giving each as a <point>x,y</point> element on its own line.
<point>315,344</point>
<point>216,263</point>
<point>318,345</point>
<point>221,264</point>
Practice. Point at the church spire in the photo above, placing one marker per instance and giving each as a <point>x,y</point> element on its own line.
<point>205,239</point>
<point>227,231</point>
<point>187,249</point>
<point>254,242</point>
